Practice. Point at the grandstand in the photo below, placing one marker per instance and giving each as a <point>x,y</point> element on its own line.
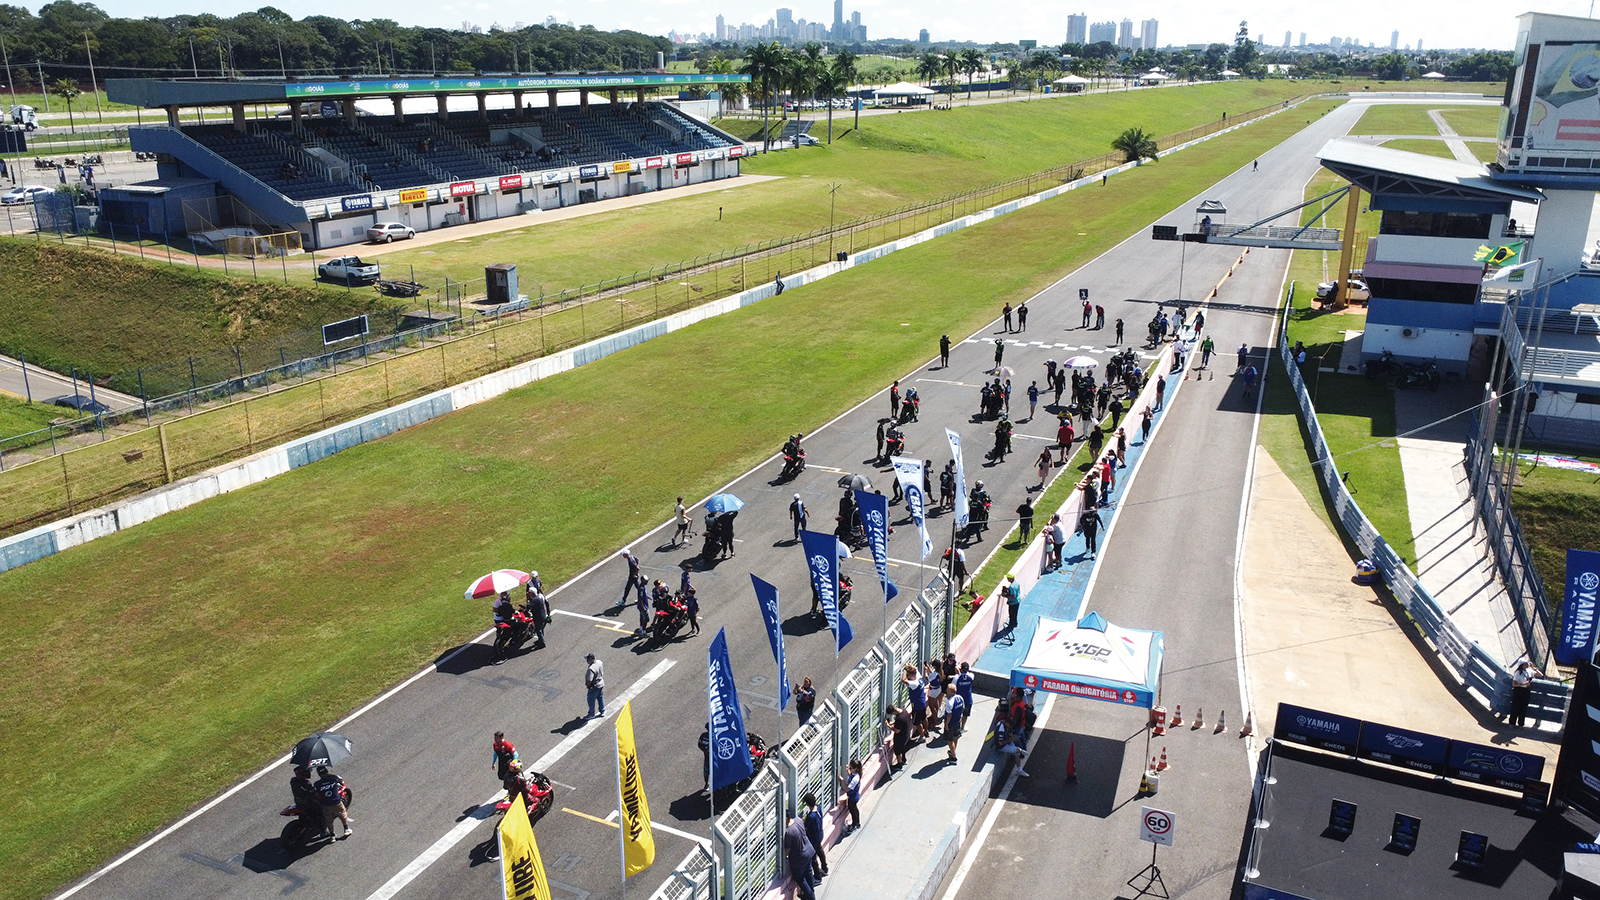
<point>327,167</point>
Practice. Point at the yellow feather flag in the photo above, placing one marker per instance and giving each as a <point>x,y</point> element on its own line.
<point>638,841</point>
<point>520,865</point>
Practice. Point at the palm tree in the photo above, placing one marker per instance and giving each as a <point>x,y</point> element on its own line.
<point>831,83</point>
<point>971,61</point>
<point>1135,144</point>
<point>844,64</point>
<point>764,64</point>
<point>731,90</point>
<point>929,66</point>
<point>67,90</point>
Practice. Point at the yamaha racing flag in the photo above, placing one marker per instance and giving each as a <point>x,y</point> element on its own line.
<point>730,748</point>
<point>875,519</point>
<point>822,557</point>
<point>961,479</point>
<point>767,596</point>
<point>909,473</point>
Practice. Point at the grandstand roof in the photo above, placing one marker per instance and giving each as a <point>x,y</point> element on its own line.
<point>162,92</point>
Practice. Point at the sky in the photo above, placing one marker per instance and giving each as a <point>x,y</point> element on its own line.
<point>1468,23</point>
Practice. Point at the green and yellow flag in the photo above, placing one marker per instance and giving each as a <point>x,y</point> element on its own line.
<point>520,864</point>
<point>638,841</point>
<point>1504,254</point>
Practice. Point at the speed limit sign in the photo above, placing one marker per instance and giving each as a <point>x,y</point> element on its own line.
<point>1156,826</point>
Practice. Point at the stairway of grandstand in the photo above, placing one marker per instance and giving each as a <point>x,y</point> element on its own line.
<point>329,157</point>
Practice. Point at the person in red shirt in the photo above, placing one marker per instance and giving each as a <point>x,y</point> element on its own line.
<point>504,755</point>
<point>1064,437</point>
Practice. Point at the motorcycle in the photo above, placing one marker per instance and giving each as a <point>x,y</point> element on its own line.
<point>846,588</point>
<point>1383,365</point>
<point>894,444</point>
<point>93,159</point>
<point>711,544</point>
<point>793,463</point>
<point>538,800</point>
<point>849,533</point>
<point>669,619</point>
<point>977,515</point>
<point>509,636</point>
<point>306,828</point>
<point>44,162</point>
<point>758,758</point>
<point>910,407</point>
<point>1418,374</point>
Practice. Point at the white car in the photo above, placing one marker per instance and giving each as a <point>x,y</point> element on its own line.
<point>384,232</point>
<point>23,194</point>
<point>1358,293</point>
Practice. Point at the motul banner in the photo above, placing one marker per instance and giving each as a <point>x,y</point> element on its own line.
<point>655,162</point>
<point>735,152</point>
<point>463,189</point>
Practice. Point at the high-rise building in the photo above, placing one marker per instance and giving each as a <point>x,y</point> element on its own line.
<point>1286,36</point>
<point>1077,28</point>
<point>1394,40</point>
<point>922,36</point>
<point>785,23</point>
<point>838,20</point>
<point>722,29</point>
<point>1419,45</point>
<point>858,32</point>
<point>1103,33</point>
<point>1147,34</point>
<point>1334,43</point>
<point>1302,38</point>
<point>1125,34</point>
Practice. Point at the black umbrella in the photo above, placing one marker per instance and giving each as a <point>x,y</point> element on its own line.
<point>321,749</point>
<point>855,482</point>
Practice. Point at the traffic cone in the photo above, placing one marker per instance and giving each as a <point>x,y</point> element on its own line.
<point>1177,717</point>
<point>1222,723</point>
<point>1249,725</point>
<point>1199,719</point>
<point>1158,718</point>
<point>1144,783</point>
<point>1154,766</point>
<point>1162,766</point>
<point>1072,763</point>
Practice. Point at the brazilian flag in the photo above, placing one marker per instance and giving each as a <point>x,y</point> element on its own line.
<point>1501,255</point>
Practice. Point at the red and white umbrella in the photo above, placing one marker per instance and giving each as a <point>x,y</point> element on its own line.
<point>496,583</point>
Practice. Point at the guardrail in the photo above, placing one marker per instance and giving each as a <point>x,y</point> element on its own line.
<point>1485,678</point>
<point>1512,557</point>
<point>849,726</point>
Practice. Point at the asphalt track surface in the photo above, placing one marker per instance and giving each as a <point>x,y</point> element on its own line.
<point>422,769</point>
<point>1169,565</point>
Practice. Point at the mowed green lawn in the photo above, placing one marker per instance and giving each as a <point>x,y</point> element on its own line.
<point>18,416</point>
<point>1474,121</point>
<point>1396,119</point>
<point>242,623</point>
<point>1558,508</point>
<point>1424,146</point>
<point>893,161</point>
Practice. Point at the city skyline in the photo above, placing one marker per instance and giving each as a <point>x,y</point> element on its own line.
<point>1473,23</point>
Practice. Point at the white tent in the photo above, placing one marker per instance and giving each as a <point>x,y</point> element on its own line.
<point>1071,79</point>
<point>1153,77</point>
<point>903,89</point>
<point>1095,659</point>
<point>1433,76</point>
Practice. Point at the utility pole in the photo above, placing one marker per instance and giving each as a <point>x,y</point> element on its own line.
<point>94,85</point>
<point>43,88</point>
<point>6,56</point>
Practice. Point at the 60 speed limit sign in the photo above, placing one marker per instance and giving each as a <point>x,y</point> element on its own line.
<point>1156,826</point>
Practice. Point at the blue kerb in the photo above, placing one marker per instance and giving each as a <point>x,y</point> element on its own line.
<point>22,552</point>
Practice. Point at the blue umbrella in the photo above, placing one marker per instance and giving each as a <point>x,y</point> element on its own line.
<point>724,503</point>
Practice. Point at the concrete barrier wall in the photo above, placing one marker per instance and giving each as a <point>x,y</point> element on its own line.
<point>63,534</point>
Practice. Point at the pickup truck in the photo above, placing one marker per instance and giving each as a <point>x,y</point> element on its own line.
<point>348,270</point>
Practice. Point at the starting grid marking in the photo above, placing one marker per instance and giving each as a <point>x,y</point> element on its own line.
<point>1045,345</point>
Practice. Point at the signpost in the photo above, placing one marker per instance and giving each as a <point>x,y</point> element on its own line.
<point>1157,827</point>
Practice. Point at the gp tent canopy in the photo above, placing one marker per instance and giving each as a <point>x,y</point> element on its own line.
<point>1093,658</point>
<point>903,89</point>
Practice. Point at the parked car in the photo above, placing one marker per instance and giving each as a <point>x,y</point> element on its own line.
<point>81,403</point>
<point>23,194</point>
<point>1358,292</point>
<point>805,140</point>
<point>384,232</point>
<point>349,270</point>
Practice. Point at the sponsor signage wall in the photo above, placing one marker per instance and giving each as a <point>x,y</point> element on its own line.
<point>463,189</point>
<point>1495,766</point>
<point>353,204</point>
<point>588,173</point>
<point>434,85</point>
<point>655,162</point>
<point>1315,728</point>
<point>414,195</point>
<point>1461,760</point>
<point>511,182</point>
<point>685,159</point>
<point>1577,781</point>
<point>735,152</point>
<point>1577,640</point>
<point>1403,747</point>
<point>622,167</point>
<point>711,154</point>
<point>1078,689</point>
<point>561,177</point>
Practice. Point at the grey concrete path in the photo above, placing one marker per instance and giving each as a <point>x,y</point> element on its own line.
<point>44,385</point>
<point>1452,140</point>
<point>1452,563</point>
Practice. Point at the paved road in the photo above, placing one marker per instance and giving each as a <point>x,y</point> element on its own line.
<point>423,763</point>
<point>1170,566</point>
<point>43,385</point>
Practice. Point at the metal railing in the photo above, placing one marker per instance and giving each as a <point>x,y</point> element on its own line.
<point>1512,558</point>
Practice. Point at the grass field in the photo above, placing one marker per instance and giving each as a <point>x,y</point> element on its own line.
<point>1558,509</point>
<point>1397,119</point>
<point>1421,145</point>
<point>18,416</point>
<point>145,687</point>
<point>891,162</point>
<point>1474,121</point>
<point>68,307</point>
<point>80,105</point>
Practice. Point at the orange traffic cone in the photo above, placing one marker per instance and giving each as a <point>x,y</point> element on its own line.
<point>1177,717</point>
<point>1249,725</point>
<point>1222,723</point>
<point>1199,719</point>
<point>1159,717</point>
<point>1072,763</point>
<point>1162,766</point>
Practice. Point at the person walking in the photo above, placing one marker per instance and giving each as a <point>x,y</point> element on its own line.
<point>894,401</point>
<point>1099,318</point>
<point>1007,314</point>
<point>1249,381</point>
<point>1521,691</point>
<point>1089,523</point>
<point>1207,347</point>
<point>1025,512</point>
<point>503,755</point>
<point>1033,399</point>
<point>1119,331</point>
<point>635,580</point>
<point>680,518</point>
<point>805,700</point>
<point>1064,438</point>
<point>594,681</point>
<point>944,351</point>
<point>1115,406</point>
<point>1255,166</point>
<point>999,353</point>
<point>1088,310</point>
<point>813,820</point>
<point>1122,449</point>
<point>797,847</point>
<point>1060,385</point>
<point>1108,477</point>
<point>851,779</point>
<point>1199,321</point>
<point>330,790</point>
<point>1161,392</point>
<point>797,514</point>
<point>1097,438</point>
<point>1013,595</point>
<point>955,715</point>
<point>1144,422</point>
<point>1044,464</point>
<point>1022,316</point>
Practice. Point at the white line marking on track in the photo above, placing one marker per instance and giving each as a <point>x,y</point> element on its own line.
<point>657,826</point>
<point>466,826</point>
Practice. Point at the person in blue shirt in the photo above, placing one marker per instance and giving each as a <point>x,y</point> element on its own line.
<point>813,820</point>
<point>852,794</point>
<point>955,714</point>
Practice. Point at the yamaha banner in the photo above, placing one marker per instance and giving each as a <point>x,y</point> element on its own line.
<point>767,597</point>
<point>961,479</point>
<point>875,519</point>
<point>822,558</point>
<point>909,472</point>
<point>730,748</point>
<point>1577,640</point>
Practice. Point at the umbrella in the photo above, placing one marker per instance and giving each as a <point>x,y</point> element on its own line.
<point>1004,372</point>
<point>724,503</point>
<point>1081,362</point>
<point>855,482</point>
<point>495,583</point>
<point>321,749</point>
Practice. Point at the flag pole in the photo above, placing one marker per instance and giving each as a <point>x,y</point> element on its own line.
<point>622,818</point>
<point>711,791</point>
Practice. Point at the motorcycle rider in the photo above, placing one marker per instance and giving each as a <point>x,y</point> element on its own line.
<point>1002,438</point>
<point>305,795</point>
<point>330,796</point>
<point>978,506</point>
<point>527,785</point>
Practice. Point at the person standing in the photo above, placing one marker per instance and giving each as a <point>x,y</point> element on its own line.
<point>805,700</point>
<point>635,580</point>
<point>1060,385</point>
<point>797,514</point>
<point>330,793</point>
<point>539,611</point>
<point>894,400</point>
<point>1161,392</point>
<point>944,351</point>
<point>1144,422</point>
<point>1013,595</point>
<point>852,794</point>
<point>1025,509</point>
<point>1119,331</point>
<point>1108,477</point>
<point>1022,316</point>
<point>1089,523</point>
<point>1249,381</point>
<point>1033,399</point>
<point>594,680</point>
<point>1207,347</point>
<point>681,520</point>
<point>504,754</point>
<point>955,715</point>
<point>882,427</point>
<point>642,605</point>
<point>999,353</point>
<point>1521,691</point>
<point>691,603</point>
<point>813,820</point>
<point>917,690</point>
<point>1244,355</point>
<point>1122,449</point>
<point>1006,313</point>
<point>1059,543</point>
<point>963,685</point>
<point>1116,410</point>
<point>1099,317</point>
<point>797,847</point>
<point>1088,310</point>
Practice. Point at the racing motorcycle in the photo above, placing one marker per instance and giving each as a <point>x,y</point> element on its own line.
<point>669,618</point>
<point>510,635</point>
<point>845,588</point>
<point>306,828</point>
<point>793,463</point>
